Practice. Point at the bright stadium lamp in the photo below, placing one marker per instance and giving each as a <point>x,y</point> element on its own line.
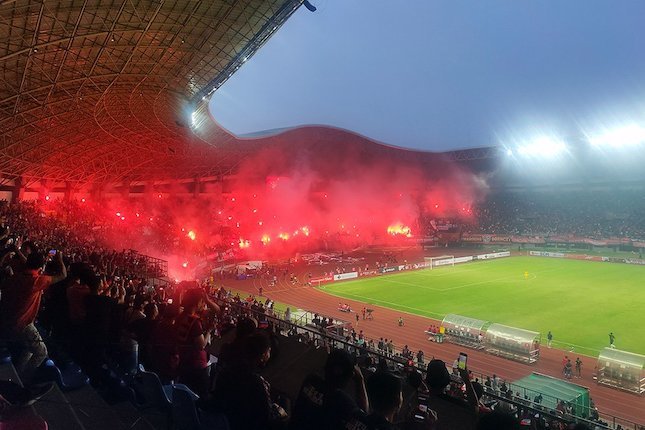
<point>630,135</point>
<point>544,146</point>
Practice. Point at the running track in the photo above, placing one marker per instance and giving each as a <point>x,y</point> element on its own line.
<point>385,324</point>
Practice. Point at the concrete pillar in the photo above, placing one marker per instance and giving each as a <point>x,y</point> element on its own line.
<point>197,187</point>
<point>69,191</point>
<point>18,190</point>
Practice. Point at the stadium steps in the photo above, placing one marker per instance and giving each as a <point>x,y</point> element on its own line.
<point>292,363</point>
<point>80,409</point>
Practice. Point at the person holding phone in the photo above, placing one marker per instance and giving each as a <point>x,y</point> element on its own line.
<point>386,398</point>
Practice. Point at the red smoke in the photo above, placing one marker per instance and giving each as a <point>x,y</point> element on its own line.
<point>291,198</point>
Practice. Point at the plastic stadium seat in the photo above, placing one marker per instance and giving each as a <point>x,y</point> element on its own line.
<point>5,355</point>
<point>150,393</point>
<point>70,377</point>
<point>186,416</point>
<point>117,388</point>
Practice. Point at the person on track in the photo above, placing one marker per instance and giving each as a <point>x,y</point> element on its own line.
<point>579,367</point>
<point>549,339</point>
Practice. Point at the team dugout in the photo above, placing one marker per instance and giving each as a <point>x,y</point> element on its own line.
<point>621,369</point>
<point>512,343</point>
<point>465,331</point>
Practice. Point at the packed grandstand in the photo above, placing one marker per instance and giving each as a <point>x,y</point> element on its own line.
<point>157,272</point>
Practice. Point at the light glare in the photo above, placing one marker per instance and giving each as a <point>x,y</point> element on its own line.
<point>625,136</point>
<point>545,146</point>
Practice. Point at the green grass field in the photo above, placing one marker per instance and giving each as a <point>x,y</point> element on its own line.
<point>579,301</point>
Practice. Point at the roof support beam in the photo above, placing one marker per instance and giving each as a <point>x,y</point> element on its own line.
<point>30,53</point>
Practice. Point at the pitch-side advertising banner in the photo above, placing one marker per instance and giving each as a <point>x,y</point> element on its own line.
<point>342,276</point>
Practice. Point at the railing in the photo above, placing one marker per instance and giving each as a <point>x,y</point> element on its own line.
<point>306,332</point>
<point>152,268</point>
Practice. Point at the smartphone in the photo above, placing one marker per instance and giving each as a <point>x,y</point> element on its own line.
<point>52,252</point>
<point>423,408</point>
<point>463,360</point>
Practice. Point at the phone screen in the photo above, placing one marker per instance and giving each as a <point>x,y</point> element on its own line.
<point>463,360</point>
<point>52,252</point>
<point>423,408</point>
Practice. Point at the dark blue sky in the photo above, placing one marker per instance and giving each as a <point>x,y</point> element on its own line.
<point>441,75</point>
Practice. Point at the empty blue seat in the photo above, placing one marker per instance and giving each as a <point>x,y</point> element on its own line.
<point>70,377</point>
<point>186,415</point>
<point>150,393</point>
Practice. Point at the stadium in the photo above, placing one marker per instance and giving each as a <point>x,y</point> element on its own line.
<point>160,271</point>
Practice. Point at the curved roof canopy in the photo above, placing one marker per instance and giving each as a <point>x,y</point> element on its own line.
<point>104,90</point>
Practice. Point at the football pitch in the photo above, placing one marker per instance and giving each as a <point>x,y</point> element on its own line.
<point>579,301</point>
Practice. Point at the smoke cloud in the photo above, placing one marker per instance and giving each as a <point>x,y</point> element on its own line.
<point>289,198</point>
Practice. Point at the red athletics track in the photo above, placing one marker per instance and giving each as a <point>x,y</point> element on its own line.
<point>609,401</point>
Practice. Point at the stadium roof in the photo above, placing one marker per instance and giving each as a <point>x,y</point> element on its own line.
<point>103,90</point>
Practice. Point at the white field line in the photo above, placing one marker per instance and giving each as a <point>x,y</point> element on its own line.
<point>456,287</point>
<point>369,300</point>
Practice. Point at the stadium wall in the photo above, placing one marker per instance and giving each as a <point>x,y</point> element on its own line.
<point>503,239</point>
<point>587,257</point>
<point>405,267</point>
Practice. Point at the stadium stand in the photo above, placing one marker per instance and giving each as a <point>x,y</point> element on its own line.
<point>112,97</point>
<point>592,214</point>
<point>125,327</point>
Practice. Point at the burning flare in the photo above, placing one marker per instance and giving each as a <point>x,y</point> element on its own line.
<point>399,229</point>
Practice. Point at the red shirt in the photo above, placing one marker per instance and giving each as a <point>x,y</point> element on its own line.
<point>188,328</point>
<point>21,299</point>
<point>76,295</point>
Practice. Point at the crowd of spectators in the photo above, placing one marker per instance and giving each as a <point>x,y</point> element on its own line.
<point>80,298</point>
<point>590,214</point>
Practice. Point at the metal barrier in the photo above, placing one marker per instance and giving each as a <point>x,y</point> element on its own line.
<point>319,337</point>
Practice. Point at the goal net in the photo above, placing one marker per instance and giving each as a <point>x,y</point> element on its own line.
<point>442,260</point>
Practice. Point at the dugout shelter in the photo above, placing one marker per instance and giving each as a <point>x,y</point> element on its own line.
<point>464,330</point>
<point>621,369</point>
<point>552,391</point>
<point>512,343</point>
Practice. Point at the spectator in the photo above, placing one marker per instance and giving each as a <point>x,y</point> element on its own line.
<point>386,397</point>
<point>76,294</point>
<point>19,306</point>
<point>135,312</point>
<point>243,395</point>
<point>231,352</point>
<point>193,338</point>
<point>324,403</point>
<point>141,329</point>
<point>452,413</point>
<point>99,328</point>
<point>163,350</point>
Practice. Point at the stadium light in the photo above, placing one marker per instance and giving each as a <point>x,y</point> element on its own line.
<point>630,135</point>
<point>544,146</point>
